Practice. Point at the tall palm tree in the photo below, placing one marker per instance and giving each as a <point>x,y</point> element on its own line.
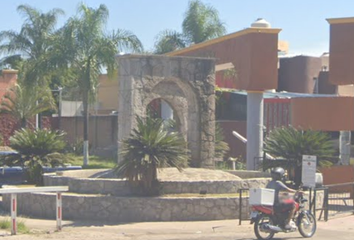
<point>24,102</point>
<point>33,42</point>
<point>168,41</point>
<point>29,50</point>
<point>88,49</point>
<point>201,23</point>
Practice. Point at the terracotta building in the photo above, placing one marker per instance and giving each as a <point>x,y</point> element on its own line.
<point>8,78</point>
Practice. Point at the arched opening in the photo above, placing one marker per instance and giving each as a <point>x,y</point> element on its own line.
<point>182,99</point>
<point>186,84</point>
<point>160,108</point>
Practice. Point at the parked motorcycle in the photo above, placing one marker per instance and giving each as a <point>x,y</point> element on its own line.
<point>269,221</point>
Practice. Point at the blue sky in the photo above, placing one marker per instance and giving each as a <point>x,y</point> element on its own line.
<point>303,21</point>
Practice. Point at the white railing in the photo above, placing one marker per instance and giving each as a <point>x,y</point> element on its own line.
<point>244,140</point>
<point>15,191</point>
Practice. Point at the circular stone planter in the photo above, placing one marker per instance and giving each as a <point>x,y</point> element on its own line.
<point>87,182</point>
<point>107,199</point>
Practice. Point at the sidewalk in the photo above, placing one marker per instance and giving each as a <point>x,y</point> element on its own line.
<point>339,228</point>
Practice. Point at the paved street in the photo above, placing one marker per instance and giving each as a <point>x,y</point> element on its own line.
<point>340,228</point>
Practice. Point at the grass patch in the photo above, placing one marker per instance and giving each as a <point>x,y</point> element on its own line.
<point>95,162</point>
<point>5,224</point>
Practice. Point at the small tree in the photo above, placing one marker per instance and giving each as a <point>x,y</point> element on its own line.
<point>149,147</point>
<point>35,149</point>
<point>290,144</point>
<point>221,147</point>
<point>24,102</point>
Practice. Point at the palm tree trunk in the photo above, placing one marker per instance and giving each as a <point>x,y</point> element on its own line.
<point>23,123</point>
<point>86,122</point>
<point>39,121</point>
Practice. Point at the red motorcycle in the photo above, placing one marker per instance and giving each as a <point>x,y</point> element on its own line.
<point>269,221</point>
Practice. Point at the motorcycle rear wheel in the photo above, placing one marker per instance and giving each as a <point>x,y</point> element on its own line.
<point>307,225</point>
<point>261,235</point>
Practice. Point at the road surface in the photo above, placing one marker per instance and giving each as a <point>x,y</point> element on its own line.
<point>341,228</point>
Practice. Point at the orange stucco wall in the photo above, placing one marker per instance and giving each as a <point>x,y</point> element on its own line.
<point>253,53</point>
<point>337,175</point>
<point>7,79</point>
<point>323,113</point>
<point>108,93</point>
<point>296,74</point>
<point>341,51</point>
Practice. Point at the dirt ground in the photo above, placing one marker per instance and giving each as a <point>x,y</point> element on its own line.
<point>339,228</point>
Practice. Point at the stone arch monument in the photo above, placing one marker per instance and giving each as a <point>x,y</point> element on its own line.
<point>186,84</point>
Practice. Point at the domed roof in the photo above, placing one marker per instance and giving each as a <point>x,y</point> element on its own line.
<point>260,23</point>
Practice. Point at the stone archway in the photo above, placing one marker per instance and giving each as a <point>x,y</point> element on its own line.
<point>187,84</point>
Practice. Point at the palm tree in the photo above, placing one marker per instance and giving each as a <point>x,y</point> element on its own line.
<point>24,102</point>
<point>87,49</point>
<point>168,41</point>
<point>30,48</point>
<point>291,144</point>
<point>33,42</point>
<point>151,146</point>
<point>35,150</point>
<point>201,23</point>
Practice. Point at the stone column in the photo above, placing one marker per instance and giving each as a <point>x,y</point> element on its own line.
<point>254,129</point>
<point>126,109</point>
<point>344,147</point>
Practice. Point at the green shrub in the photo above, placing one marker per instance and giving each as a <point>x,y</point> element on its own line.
<point>291,144</point>
<point>150,146</point>
<point>221,147</point>
<point>36,149</point>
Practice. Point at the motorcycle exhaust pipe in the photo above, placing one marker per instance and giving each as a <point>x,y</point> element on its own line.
<point>272,228</point>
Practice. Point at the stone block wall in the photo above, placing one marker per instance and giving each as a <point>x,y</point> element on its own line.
<point>133,209</point>
<point>107,200</point>
<point>124,209</point>
<point>118,187</point>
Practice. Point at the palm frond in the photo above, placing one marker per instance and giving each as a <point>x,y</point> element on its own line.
<point>221,147</point>
<point>126,41</point>
<point>151,146</point>
<point>35,150</point>
<point>168,41</point>
<point>290,143</point>
<point>25,102</point>
<point>201,22</point>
